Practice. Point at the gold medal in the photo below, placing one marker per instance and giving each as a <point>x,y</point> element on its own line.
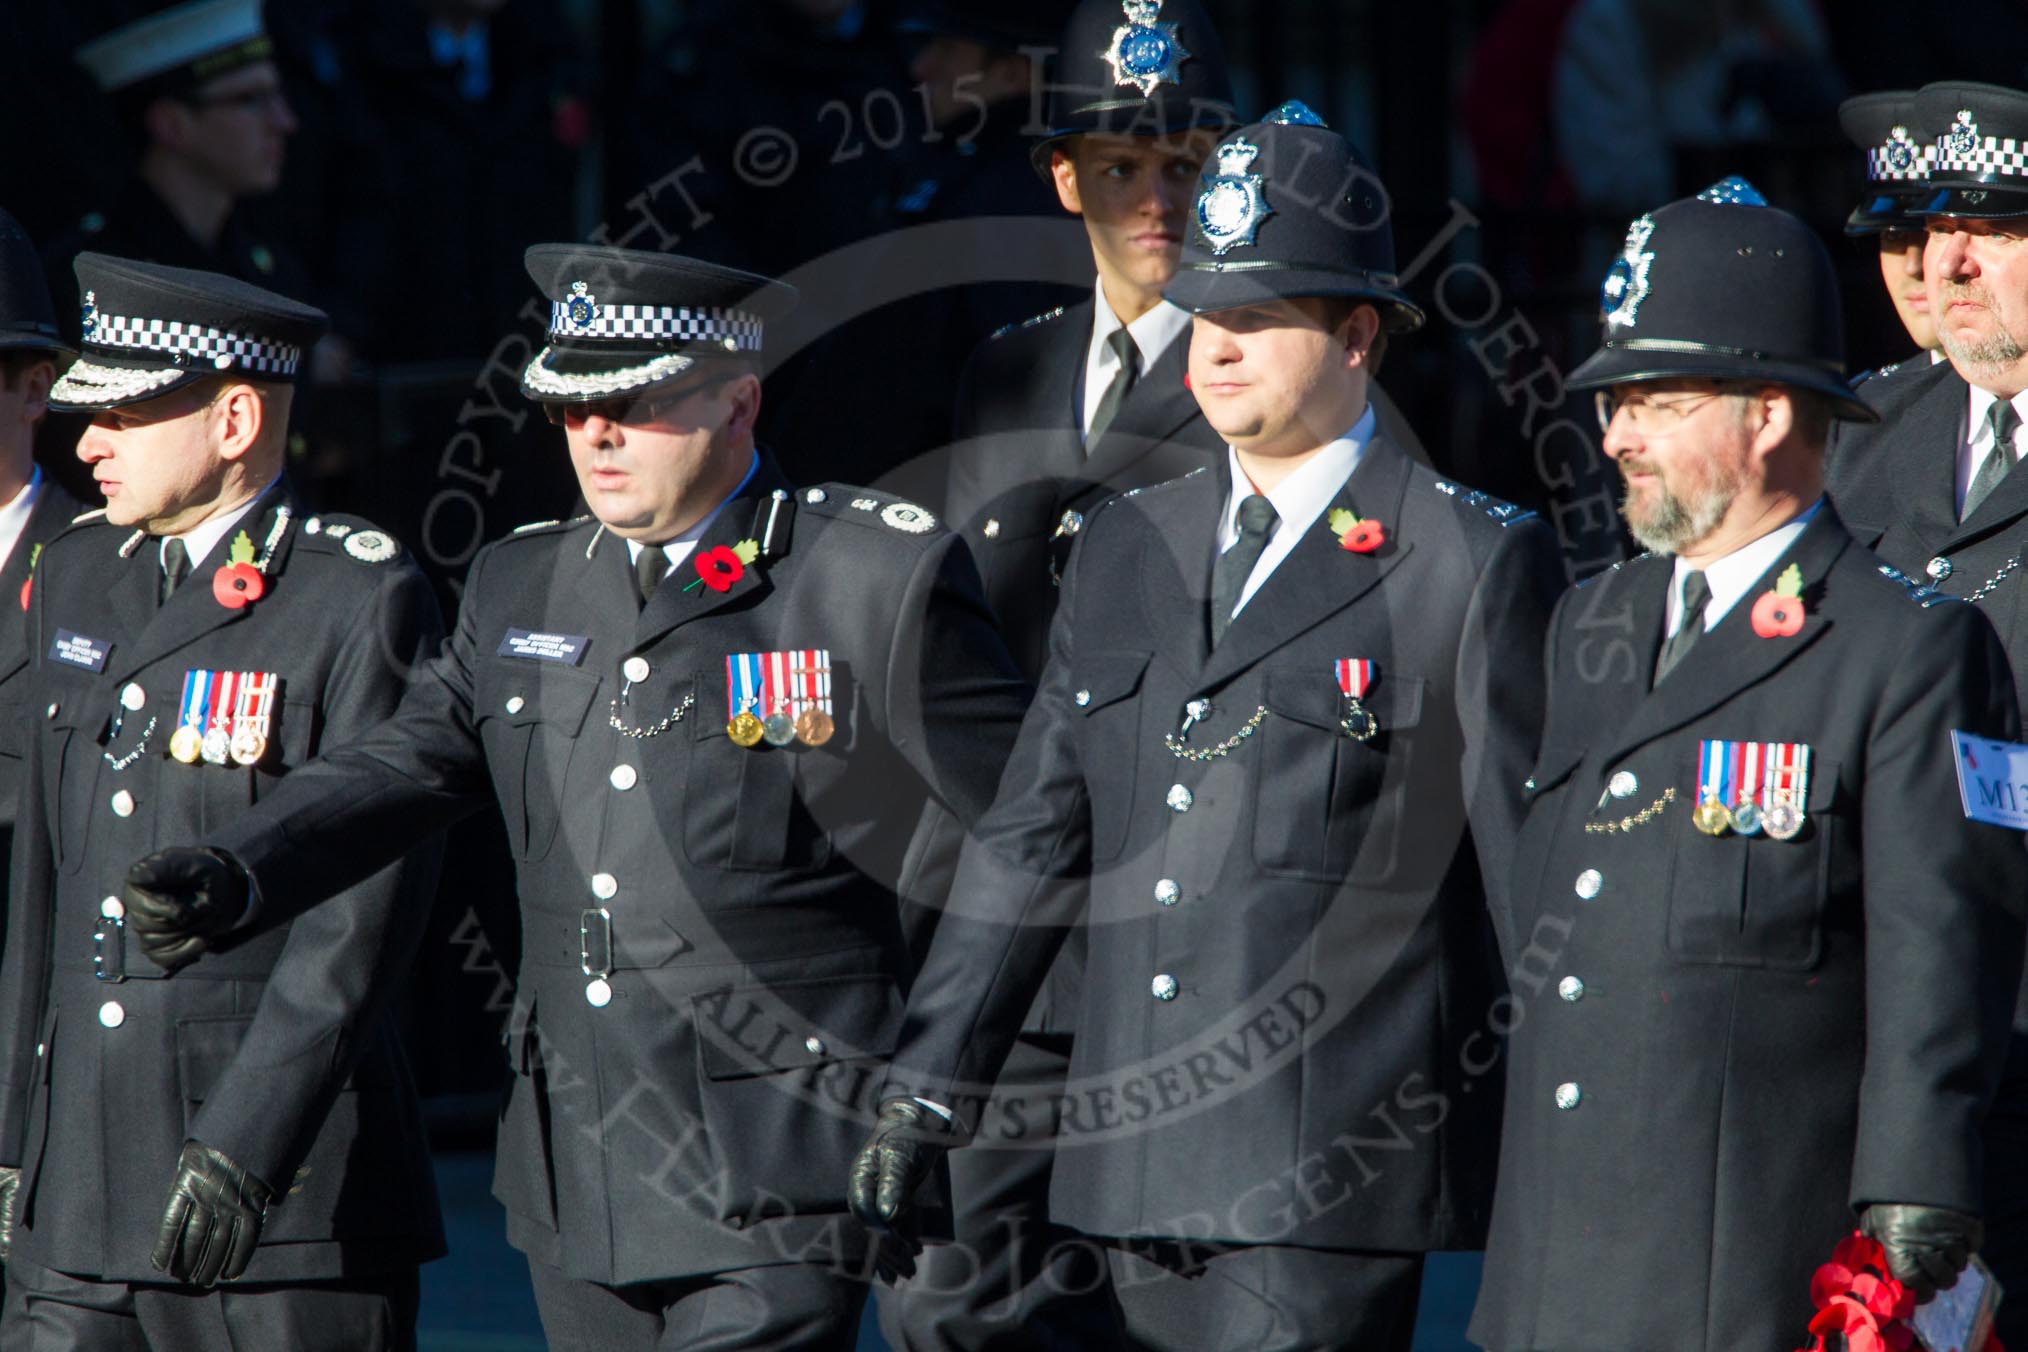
<point>248,746</point>
<point>777,729</point>
<point>745,729</point>
<point>1711,818</point>
<point>814,726</point>
<point>186,744</point>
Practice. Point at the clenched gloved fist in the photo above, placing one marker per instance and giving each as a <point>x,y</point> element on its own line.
<point>213,1219</point>
<point>10,1185</point>
<point>908,1140</point>
<point>180,900</point>
<point>1927,1246</point>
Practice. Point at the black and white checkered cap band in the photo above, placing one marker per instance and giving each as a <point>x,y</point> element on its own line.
<point>1989,155</point>
<point>657,323</point>
<point>213,347</point>
<point>1899,161</point>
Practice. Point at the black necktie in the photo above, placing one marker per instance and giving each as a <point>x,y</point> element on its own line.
<point>1123,346</point>
<point>1696,596</point>
<point>650,567</point>
<point>175,565</point>
<point>1228,576</point>
<point>2002,418</point>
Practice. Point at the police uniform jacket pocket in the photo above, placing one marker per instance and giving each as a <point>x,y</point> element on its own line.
<point>70,778</point>
<point>1329,806</point>
<point>1754,901</point>
<point>1104,684</point>
<point>529,718</point>
<point>746,809</point>
<point>790,1071</point>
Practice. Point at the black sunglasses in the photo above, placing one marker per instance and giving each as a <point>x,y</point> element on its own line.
<point>637,408</point>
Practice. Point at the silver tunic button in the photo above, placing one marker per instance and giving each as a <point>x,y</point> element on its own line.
<point>814,1046</point>
<point>598,992</point>
<point>635,669</point>
<point>132,696</point>
<point>1082,697</point>
<point>1571,989</point>
<point>624,777</point>
<point>50,712</point>
<point>1623,784</point>
<point>1940,568</point>
<point>515,704</point>
<point>992,531</point>
<point>605,886</point>
<point>40,1048</point>
<point>1568,1095</point>
<point>1528,783</point>
<point>1589,883</point>
<point>1163,987</point>
<point>1180,798</point>
<point>123,804</point>
<point>111,1015</point>
<point>1167,892</point>
<point>815,495</point>
<point>112,908</point>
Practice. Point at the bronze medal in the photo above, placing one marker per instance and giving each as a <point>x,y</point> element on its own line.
<point>814,727</point>
<point>248,747</point>
<point>745,729</point>
<point>186,744</point>
<point>777,729</point>
<point>1711,818</point>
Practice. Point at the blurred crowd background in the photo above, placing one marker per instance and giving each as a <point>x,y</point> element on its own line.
<point>413,148</point>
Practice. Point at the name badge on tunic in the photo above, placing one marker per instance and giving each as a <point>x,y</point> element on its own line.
<point>1992,780</point>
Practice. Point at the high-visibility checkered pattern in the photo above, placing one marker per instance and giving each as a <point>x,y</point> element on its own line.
<point>1961,150</point>
<point>735,330</point>
<point>214,347</point>
<point>1899,159</point>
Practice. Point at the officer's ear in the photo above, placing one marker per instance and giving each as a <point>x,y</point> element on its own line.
<point>743,405</point>
<point>1360,332</point>
<point>241,418</point>
<point>1063,173</point>
<point>168,122</point>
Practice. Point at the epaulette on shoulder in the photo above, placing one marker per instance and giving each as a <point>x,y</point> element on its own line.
<point>1502,513</point>
<point>1876,373</point>
<point>1923,594</point>
<point>868,507</point>
<point>83,518</point>
<point>1020,325</point>
<point>534,527</point>
<point>354,537</point>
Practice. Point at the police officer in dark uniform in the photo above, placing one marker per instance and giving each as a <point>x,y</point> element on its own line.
<point>1898,153</point>
<point>1766,960</point>
<point>34,508</point>
<point>249,1121</point>
<point>1930,489</point>
<point>196,87</point>
<point>1277,693</point>
<point>711,713</point>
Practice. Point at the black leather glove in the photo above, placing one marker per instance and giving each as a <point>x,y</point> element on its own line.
<point>180,900</point>
<point>10,1185</point>
<point>1927,1246</point>
<point>908,1140</point>
<point>213,1219</point>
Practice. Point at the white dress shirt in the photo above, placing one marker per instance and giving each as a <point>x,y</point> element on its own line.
<point>1978,442</point>
<point>1733,576</point>
<point>199,541</point>
<point>1152,333</point>
<point>1298,500</point>
<point>14,516</point>
<point>681,547</point>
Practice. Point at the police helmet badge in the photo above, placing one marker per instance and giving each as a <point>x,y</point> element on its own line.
<point>1233,205</point>
<point>1145,52</point>
<point>582,307</point>
<point>1733,191</point>
<point>1963,137</point>
<point>91,313</point>
<point>1900,153</point>
<point>1626,284</point>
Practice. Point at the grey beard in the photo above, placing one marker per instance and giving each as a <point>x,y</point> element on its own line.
<point>1675,523</point>
<point>1996,353</point>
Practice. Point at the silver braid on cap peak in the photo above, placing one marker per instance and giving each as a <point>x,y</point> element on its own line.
<point>86,382</point>
<point>544,382</point>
